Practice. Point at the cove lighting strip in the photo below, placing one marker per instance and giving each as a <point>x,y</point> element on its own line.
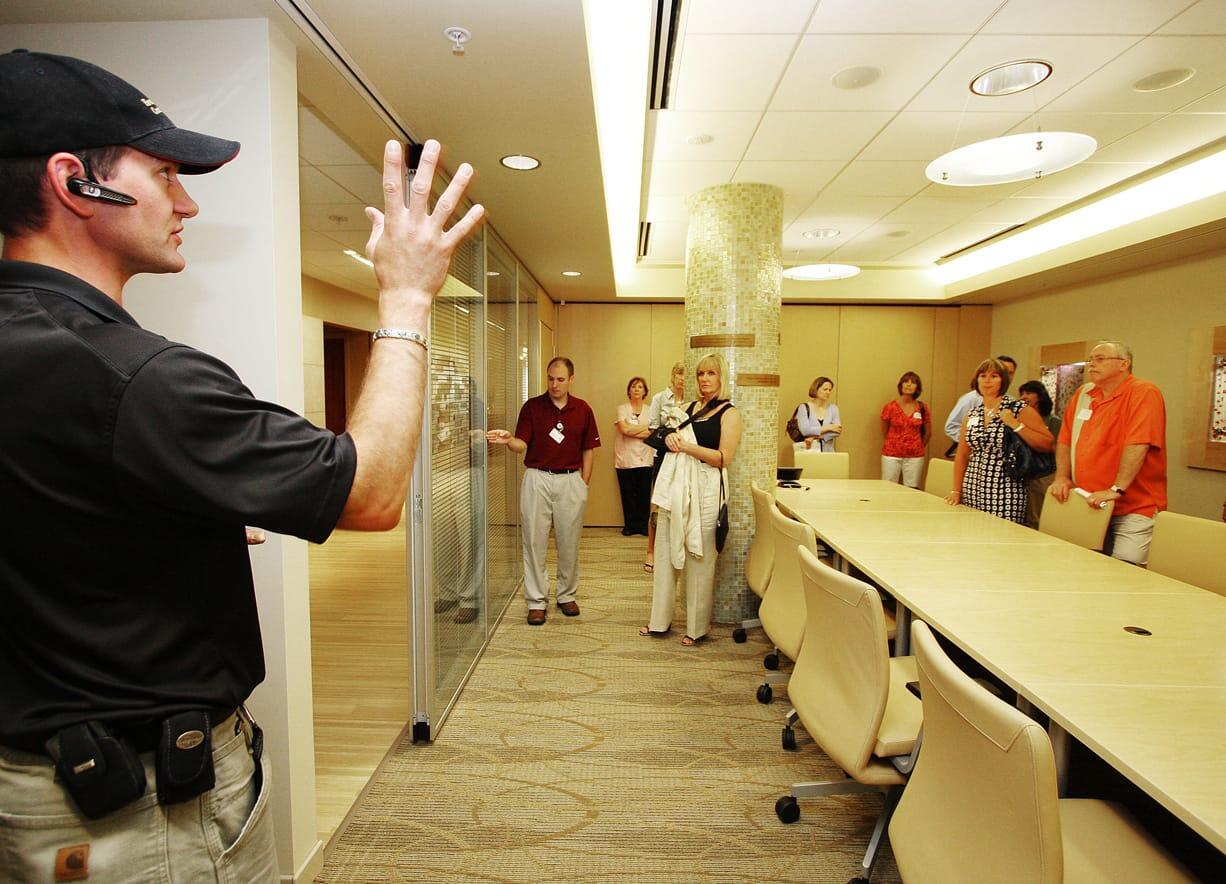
<point>1196,181</point>
<point>619,53</point>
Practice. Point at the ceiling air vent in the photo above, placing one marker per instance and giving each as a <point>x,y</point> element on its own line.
<point>666,21</point>
<point>979,242</point>
<point>644,238</point>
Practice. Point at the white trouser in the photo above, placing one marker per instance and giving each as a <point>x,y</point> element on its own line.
<point>554,500</point>
<point>699,573</point>
<point>1128,538</point>
<point>909,469</point>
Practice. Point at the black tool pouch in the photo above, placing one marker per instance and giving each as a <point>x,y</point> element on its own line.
<point>185,757</point>
<point>101,772</point>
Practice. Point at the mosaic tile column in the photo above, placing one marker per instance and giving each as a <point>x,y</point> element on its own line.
<point>733,275</point>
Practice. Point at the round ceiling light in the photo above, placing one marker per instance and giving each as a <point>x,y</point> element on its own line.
<point>520,162</point>
<point>856,77</point>
<point>817,272</point>
<point>1164,80</point>
<point>571,273</point>
<point>1010,78</point>
<point>821,233</point>
<point>1011,158</point>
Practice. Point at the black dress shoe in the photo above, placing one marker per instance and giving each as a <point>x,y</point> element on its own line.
<point>626,532</point>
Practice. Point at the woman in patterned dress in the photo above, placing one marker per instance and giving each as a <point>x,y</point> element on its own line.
<point>980,480</point>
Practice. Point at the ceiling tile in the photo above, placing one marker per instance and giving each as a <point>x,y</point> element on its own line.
<point>811,136</point>
<point>1015,211</point>
<point>1213,103</point>
<point>882,241</point>
<point>905,63</point>
<point>1072,59</point>
<point>1083,180</point>
<point>800,182</point>
<point>1083,16</point>
<point>880,179</point>
<point>730,132</point>
<point>330,217</point>
<point>730,72</point>
<point>682,179</point>
<point>1110,89</point>
<point>667,241</point>
<point>926,135</point>
<point>951,239</point>
<point>365,182</point>
<point>1165,139</point>
<point>316,187</point>
<point>847,214</point>
<point>739,17</point>
<point>319,145</point>
<point>976,194</point>
<point>1206,17</point>
<point>937,209</point>
<point>911,17</point>
<point>1103,128</point>
<point>666,207</point>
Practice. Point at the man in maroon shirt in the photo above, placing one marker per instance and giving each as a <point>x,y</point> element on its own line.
<point>557,435</point>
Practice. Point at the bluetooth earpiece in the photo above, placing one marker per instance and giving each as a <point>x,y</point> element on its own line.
<point>95,191</point>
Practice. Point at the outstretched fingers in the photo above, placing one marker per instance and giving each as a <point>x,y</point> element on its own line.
<point>423,180</point>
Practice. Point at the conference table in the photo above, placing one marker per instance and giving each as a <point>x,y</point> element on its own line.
<point>1129,662</point>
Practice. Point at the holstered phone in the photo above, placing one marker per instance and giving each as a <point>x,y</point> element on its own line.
<point>185,757</point>
<point>101,771</point>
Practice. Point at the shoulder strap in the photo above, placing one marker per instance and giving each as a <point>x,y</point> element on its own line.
<point>1082,406</point>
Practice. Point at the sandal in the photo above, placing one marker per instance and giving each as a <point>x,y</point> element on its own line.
<point>649,567</point>
<point>689,641</point>
<point>648,632</point>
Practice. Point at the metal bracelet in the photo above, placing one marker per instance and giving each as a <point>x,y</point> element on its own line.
<point>401,334</point>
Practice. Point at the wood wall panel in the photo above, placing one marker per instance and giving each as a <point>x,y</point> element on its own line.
<point>808,349</point>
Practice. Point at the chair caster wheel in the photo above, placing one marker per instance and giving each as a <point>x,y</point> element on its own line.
<point>858,881</point>
<point>738,636</point>
<point>789,739</point>
<point>765,694</point>
<point>771,661</point>
<point>787,809</point>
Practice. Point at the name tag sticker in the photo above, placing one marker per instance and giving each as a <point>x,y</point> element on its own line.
<point>1084,414</point>
<point>556,435</point>
<point>918,416</point>
<point>973,420</point>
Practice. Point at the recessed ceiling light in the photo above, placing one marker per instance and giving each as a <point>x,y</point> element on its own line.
<point>520,162</point>
<point>358,257</point>
<point>1010,78</point>
<point>855,78</point>
<point>1011,158</point>
<point>492,273</point>
<point>817,272</point>
<point>821,233</point>
<point>1164,80</point>
<point>699,139</point>
<point>571,273</point>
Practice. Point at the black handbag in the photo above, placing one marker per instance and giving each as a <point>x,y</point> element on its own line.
<point>721,521</point>
<point>1023,463</point>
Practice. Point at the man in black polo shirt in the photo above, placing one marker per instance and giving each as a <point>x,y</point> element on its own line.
<point>129,466</point>
<point>557,435</point>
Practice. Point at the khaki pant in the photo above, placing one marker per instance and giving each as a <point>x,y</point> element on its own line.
<point>1128,538</point>
<point>909,469</point>
<point>551,500</point>
<point>223,835</point>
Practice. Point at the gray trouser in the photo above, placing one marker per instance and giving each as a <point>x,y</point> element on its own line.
<point>554,500</point>
<point>223,835</point>
<point>1128,538</point>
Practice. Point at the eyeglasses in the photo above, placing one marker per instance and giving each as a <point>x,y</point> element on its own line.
<point>1099,360</point>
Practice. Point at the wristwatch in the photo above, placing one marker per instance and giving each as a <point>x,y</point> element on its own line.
<point>1118,490</point>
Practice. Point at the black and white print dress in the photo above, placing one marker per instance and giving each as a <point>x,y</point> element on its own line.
<point>986,486</point>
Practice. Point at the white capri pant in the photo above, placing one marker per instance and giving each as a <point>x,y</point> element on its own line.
<point>699,573</point>
<point>909,469</point>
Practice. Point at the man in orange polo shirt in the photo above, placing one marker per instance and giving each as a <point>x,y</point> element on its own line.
<point>1113,445</point>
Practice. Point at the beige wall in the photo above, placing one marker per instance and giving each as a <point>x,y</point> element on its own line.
<point>1157,310</point>
<point>864,349</point>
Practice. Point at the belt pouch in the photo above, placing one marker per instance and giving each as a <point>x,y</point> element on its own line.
<point>185,757</point>
<point>101,772</point>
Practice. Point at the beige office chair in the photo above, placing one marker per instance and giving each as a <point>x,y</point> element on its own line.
<point>760,559</point>
<point>783,607</point>
<point>1076,522</point>
<point>851,695</point>
<point>1189,549</point>
<point>981,804</point>
<point>940,478</point>
<point>823,464</point>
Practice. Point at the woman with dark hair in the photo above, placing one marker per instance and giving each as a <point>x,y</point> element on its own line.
<point>818,418</point>
<point>632,457</point>
<point>906,423</point>
<point>980,479</point>
<point>1034,394</point>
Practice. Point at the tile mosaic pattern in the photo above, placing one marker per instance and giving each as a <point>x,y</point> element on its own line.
<point>733,276</point>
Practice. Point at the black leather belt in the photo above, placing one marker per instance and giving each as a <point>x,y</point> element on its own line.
<point>143,736</point>
<point>558,472</point>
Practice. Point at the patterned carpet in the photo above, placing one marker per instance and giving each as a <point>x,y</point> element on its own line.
<point>582,752</point>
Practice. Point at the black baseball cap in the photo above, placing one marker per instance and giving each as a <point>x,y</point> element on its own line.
<point>50,103</point>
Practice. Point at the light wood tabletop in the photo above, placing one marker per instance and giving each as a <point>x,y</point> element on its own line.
<point>1049,619</point>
